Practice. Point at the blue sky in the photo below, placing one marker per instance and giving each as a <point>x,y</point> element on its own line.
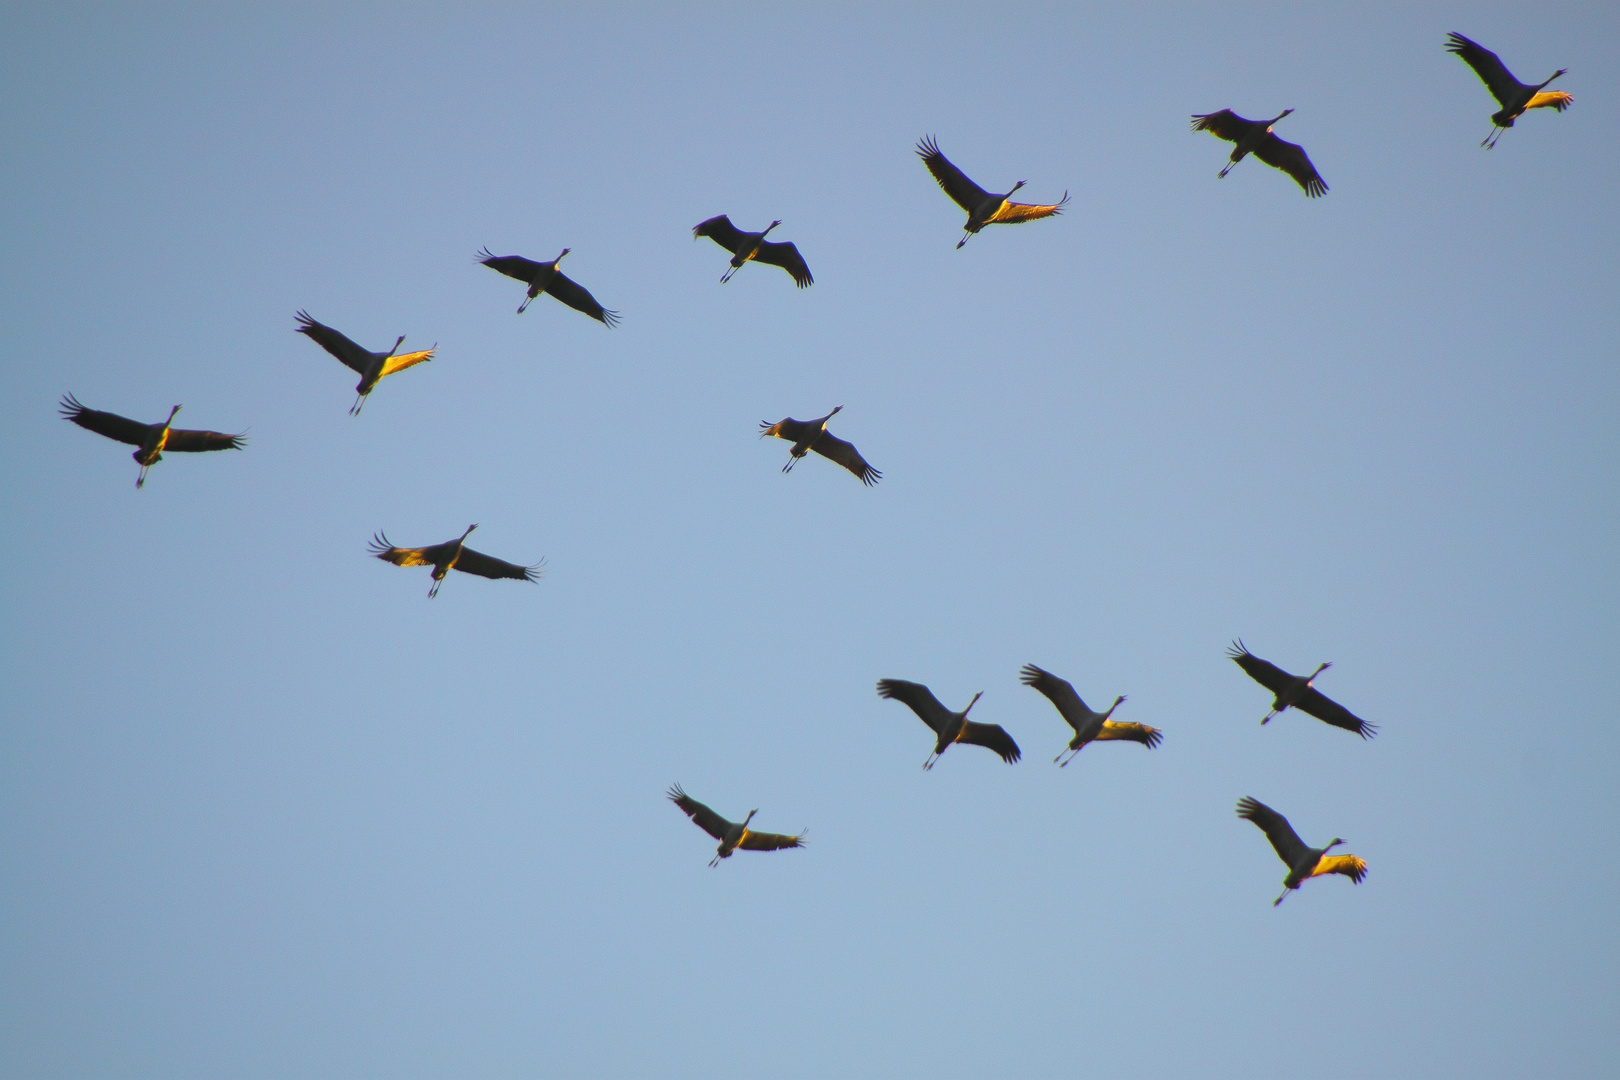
<point>265,810</point>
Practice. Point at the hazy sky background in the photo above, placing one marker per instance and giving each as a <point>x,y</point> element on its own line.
<point>267,811</point>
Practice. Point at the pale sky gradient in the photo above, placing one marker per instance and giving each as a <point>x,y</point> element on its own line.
<point>267,811</point>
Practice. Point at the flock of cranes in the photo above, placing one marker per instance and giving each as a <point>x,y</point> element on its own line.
<point>983,208</point>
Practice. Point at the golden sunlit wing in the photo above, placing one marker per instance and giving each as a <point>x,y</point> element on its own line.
<point>1556,100</point>
<point>387,552</point>
<point>1013,213</point>
<point>182,440</point>
<point>405,360</point>
<point>769,841</point>
<point>1113,729</point>
<point>1348,865</point>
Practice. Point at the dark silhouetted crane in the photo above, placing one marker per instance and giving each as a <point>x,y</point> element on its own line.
<point>753,245</point>
<point>1515,96</point>
<point>731,834</point>
<point>151,439</point>
<point>950,727</point>
<point>1255,137</point>
<point>372,366</point>
<point>547,278</point>
<point>808,435</point>
<point>1302,862</point>
<point>1297,692</point>
<point>453,555</point>
<point>982,207</point>
<point>1088,726</point>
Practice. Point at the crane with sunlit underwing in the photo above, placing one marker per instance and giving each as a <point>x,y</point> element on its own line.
<point>454,555</point>
<point>731,834</point>
<point>1516,97</point>
<point>1303,862</point>
<point>1256,137</point>
<point>983,207</point>
<point>948,727</point>
<point>150,440</point>
<point>545,277</point>
<point>808,435</point>
<point>1296,691</point>
<point>373,367</point>
<point>1088,726</point>
<point>752,246</point>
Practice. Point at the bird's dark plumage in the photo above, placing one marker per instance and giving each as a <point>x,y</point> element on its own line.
<point>822,442</point>
<point>944,723</point>
<point>1306,699</point>
<point>754,247</point>
<point>453,555</point>
<point>983,207</point>
<point>552,280</point>
<point>1515,97</point>
<point>1252,137</point>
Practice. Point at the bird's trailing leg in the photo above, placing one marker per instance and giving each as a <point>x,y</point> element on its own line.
<point>433,590</point>
<point>140,481</point>
<point>1222,174</point>
<point>359,403</point>
<point>1490,140</point>
<point>962,241</point>
<point>525,304</point>
<point>1281,898</point>
<point>929,764</point>
<point>791,461</point>
<point>1268,717</point>
<point>1073,753</point>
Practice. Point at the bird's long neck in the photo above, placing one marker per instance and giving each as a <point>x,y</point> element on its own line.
<point>1318,671</point>
<point>1014,190</point>
<point>768,229</point>
<point>970,704</point>
<point>749,818</point>
<point>829,416</point>
<point>1279,116</point>
<point>397,344</point>
<point>1114,706</point>
<point>170,420</point>
<point>463,541</point>
<point>1553,76</point>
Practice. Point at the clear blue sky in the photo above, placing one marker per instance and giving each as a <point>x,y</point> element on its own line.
<point>267,811</point>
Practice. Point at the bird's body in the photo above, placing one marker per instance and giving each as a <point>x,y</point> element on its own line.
<point>1296,691</point>
<point>746,246</point>
<point>948,727</point>
<point>808,435</point>
<point>1515,97</point>
<point>548,278</point>
<point>1255,137</point>
<point>1088,726</point>
<point>983,208</point>
<point>731,834</point>
<point>1303,862</point>
<point>453,555</point>
<point>150,440</point>
<point>372,367</point>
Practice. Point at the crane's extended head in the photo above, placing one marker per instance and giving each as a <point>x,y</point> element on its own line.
<point>771,226</point>
<point>470,528</point>
<point>970,704</point>
<point>1320,668</point>
<point>1335,842</point>
<point>560,255</point>
<point>1114,706</point>
<point>750,816</point>
<point>1280,115</point>
<point>397,344</point>
<point>170,420</point>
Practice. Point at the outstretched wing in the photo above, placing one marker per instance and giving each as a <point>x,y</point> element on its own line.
<point>1291,159</point>
<point>192,442</point>
<point>332,341</point>
<point>918,698</point>
<point>1556,100</point>
<point>790,429</point>
<point>1264,672</point>
<point>788,258</point>
<point>992,735</point>
<point>121,428</point>
<point>964,192</point>
<point>476,562</point>
<point>1060,692</point>
<point>707,820</point>
<point>573,294</point>
<point>833,448</point>
<point>1284,839</point>
<point>1488,66</point>
<point>1147,736</point>
<point>721,231</point>
<point>1225,124</point>
<point>401,361</point>
<point>513,266</point>
<point>1323,707</point>
<point>387,552</point>
<point>1348,865</point>
<point>769,841</point>
<point>1014,213</point>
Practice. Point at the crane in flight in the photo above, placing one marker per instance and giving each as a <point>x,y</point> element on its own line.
<point>1303,862</point>
<point>808,435</point>
<point>949,727</point>
<point>983,208</point>
<point>1255,137</point>
<point>372,366</point>
<point>1296,691</point>
<point>1088,726</point>
<point>1516,97</point>
<point>731,834</point>
<point>745,246</point>
<point>547,278</point>
<point>453,555</point>
<point>150,440</point>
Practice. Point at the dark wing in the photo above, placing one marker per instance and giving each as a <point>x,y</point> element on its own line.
<point>109,424</point>
<point>1291,159</point>
<point>833,448</point>
<point>1488,66</point>
<point>513,266</point>
<point>476,562</point>
<point>919,699</point>
<point>964,192</point>
<point>721,231</point>
<point>192,442</point>
<point>1059,691</point>
<point>574,295</point>
<point>1323,707</point>
<point>1147,736</point>
<point>788,258</point>
<point>335,343</point>
<point>707,820</point>
<point>769,841</point>
<point>992,735</point>
<point>790,429</point>
<point>1283,838</point>
<point>1265,673</point>
<point>1225,124</point>
<point>1014,213</point>
<point>385,551</point>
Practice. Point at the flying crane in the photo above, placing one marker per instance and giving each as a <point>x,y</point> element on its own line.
<point>808,435</point>
<point>372,366</point>
<point>453,555</point>
<point>151,440</point>
<point>1296,691</point>
<point>949,727</point>
<point>547,278</point>
<point>731,834</point>
<point>746,246</point>
<point>983,208</point>
<point>1303,862</point>
<point>1516,97</point>
<point>1255,137</point>
<point>1088,726</point>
